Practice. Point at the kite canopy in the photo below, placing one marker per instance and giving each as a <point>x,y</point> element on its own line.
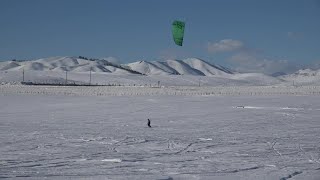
<point>178,32</point>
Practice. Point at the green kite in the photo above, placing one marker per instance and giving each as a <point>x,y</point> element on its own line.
<point>178,32</point>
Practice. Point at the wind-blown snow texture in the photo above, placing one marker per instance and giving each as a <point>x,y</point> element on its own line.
<point>235,126</point>
<point>66,137</point>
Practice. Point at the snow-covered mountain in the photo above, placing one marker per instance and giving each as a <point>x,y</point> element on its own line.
<point>72,64</point>
<point>207,68</point>
<point>306,73</point>
<point>191,71</point>
<point>303,77</point>
<point>277,74</point>
<point>191,66</point>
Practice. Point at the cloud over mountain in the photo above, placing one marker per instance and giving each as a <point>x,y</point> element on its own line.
<point>225,45</point>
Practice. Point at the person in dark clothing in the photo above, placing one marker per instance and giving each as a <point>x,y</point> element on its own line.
<point>149,123</point>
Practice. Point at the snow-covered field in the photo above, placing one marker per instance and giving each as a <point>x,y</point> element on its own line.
<point>192,137</point>
<point>207,122</point>
<point>159,91</point>
<point>102,78</point>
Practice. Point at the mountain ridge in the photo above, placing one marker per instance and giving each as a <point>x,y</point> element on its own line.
<point>184,67</point>
<point>190,66</point>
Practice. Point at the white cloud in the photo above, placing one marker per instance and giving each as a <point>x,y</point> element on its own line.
<point>225,45</point>
<point>315,65</point>
<point>246,62</point>
<point>290,34</point>
<point>247,59</point>
<point>173,54</point>
<point>294,35</point>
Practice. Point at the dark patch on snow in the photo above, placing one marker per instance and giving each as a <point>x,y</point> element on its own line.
<point>3,177</point>
<point>169,178</point>
<point>291,175</point>
<point>240,170</point>
<point>277,74</point>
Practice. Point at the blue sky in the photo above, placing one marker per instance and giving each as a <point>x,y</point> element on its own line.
<point>246,34</point>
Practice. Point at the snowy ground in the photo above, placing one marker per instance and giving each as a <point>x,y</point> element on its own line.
<point>198,137</point>
<point>159,91</point>
<point>250,79</point>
